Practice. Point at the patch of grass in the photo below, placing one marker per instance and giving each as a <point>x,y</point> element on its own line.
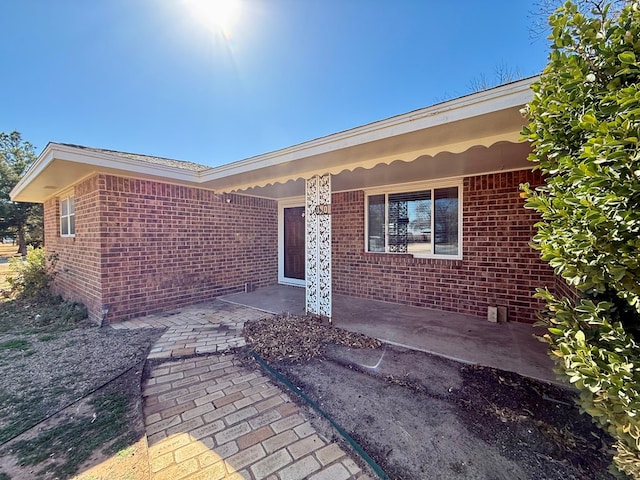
<point>73,442</point>
<point>4,272</point>
<point>4,476</point>
<point>47,337</point>
<point>58,373</point>
<point>20,413</point>
<point>6,251</point>
<point>121,446</point>
<point>15,344</point>
<point>126,451</point>
<point>42,314</point>
<point>60,390</point>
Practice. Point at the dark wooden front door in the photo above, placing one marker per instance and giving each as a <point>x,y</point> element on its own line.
<point>294,242</point>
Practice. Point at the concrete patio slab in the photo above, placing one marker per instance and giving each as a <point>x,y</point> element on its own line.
<point>275,299</point>
<point>507,346</point>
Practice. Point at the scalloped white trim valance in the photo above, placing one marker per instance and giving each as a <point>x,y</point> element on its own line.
<point>461,159</point>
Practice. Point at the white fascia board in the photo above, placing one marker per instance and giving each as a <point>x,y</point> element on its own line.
<point>500,98</point>
<point>100,160</point>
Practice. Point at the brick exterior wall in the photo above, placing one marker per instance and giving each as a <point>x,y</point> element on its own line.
<point>78,266</point>
<point>498,265</point>
<point>143,247</point>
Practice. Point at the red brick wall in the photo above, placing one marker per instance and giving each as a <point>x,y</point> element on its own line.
<point>143,247</point>
<point>78,265</point>
<point>498,265</point>
<point>155,246</point>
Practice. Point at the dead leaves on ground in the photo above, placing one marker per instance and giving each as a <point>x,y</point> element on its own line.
<point>563,438</point>
<point>293,338</point>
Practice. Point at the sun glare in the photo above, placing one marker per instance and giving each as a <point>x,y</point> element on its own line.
<point>218,15</point>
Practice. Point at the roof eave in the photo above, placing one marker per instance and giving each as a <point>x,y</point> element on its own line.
<point>499,98</point>
<point>268,168</point>
<point>100,162</point>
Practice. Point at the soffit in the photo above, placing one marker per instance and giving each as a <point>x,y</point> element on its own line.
<point>466,147</point>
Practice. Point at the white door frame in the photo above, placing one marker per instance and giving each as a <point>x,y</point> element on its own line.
<point>282,204</point>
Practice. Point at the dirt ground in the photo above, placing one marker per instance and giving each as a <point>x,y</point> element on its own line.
<point>425,417</point>
<point>419,416</point>
<point>56,387</point>
<point>127,461</point>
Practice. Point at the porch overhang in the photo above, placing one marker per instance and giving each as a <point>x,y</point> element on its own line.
<point>475,134</point>
<point>471,135</point>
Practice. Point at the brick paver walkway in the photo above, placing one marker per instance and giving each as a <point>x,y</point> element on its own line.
<point>210,327</point>
<point>208,417</point>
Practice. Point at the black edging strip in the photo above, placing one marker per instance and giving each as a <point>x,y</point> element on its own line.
<point>364,455</point>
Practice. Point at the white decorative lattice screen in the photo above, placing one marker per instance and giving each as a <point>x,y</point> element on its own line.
<point>318,245</point>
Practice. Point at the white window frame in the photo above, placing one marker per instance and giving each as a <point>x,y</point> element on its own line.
<point>406,188</point>
<point>67,218</point>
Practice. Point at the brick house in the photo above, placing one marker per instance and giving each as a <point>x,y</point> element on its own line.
<point>420,209</point>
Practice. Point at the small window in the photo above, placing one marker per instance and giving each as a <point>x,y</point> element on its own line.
<point>68,217</point>
<point>421,223</point>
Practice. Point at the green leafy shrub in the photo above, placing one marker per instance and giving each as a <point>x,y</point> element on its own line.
<point>584,124</point>
<point>31,276</point>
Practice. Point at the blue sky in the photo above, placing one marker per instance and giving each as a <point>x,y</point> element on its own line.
<point>148,76</point>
